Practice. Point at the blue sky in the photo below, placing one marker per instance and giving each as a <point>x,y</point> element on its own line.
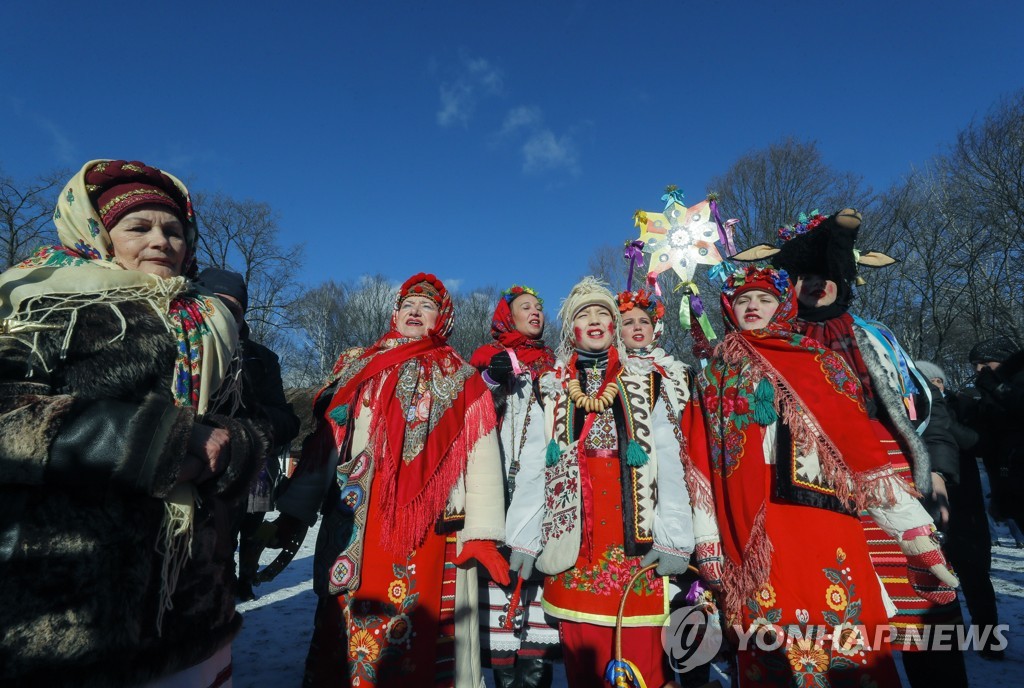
<point>489,142</point>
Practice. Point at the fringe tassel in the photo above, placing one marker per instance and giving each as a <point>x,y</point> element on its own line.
<point>553,454</point>
<point>410,523</point>
<point>340,414</point>
<point>739,581</point>
<point>635,455</point>
<point>764,403</point>
<point>174,545</point>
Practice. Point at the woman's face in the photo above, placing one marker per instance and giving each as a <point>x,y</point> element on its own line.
<point>150,239</point>
<point>594,328</point>
<point>637,328</point>
<point>417,315</point>
<point>754,309</point>
<point>528,315</point>
<point>814,291</point>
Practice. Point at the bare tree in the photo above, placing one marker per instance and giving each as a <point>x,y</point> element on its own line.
<point>770,187</point>
<point>243,235</point>
<point>473,314</point>
<point>319,318</point>
<point>25,212</point>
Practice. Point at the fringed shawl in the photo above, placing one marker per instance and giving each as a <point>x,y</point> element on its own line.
<point>759,377</point>
<point>429,409</point>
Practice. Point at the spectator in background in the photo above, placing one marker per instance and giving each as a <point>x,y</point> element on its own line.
<point>263,398</point>
<point>968,538</point>
<point>999,419</point>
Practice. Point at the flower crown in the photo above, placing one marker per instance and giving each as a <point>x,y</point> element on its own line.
<point>643,300</point>
<point>804,223</point>
<point>517,290</point>
<point>752,275</point>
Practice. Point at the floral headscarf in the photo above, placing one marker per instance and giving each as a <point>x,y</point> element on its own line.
<point>534,354</point>
<point>83,270</point>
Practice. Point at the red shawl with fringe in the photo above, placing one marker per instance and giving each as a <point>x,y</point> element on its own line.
<point>429,409</point>
<point>814,392</point>
<point>532,353</point>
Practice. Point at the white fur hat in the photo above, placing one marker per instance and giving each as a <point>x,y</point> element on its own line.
<point>589,291</point>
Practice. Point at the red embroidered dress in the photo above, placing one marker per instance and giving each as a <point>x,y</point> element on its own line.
<point>789,458</point>
<point>591,590</point>
<point>406,431</point>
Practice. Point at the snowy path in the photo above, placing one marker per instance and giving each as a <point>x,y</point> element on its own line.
<point>272,646</point>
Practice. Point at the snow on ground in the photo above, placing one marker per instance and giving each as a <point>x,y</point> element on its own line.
<point>272,646</point>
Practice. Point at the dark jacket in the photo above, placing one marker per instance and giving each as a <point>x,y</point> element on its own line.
<point>90,445</point>
<point>265,393</point>
<point>998,416</point>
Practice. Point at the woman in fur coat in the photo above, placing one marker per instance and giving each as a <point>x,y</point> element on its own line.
<point>119,465</point>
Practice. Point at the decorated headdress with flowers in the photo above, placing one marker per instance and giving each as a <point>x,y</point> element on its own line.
<point>517,290</point>
<point>775,282</point>
<point>644,300</point>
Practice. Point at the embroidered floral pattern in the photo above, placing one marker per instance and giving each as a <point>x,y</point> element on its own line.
<point>812,654</point>
<point>835,596</point>
<point>765,595</point>
<point>189,318</point>
<point>381,632</point>
<point>396,591</point>
<point>729,404</point>
<point>610,574</point>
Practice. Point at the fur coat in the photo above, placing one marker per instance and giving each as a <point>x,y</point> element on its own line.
<point>90,445</point>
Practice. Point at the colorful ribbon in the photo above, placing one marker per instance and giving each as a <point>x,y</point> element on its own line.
<point>652,282</point>
<point>634,253</point>
<point>720,271</point>
<point>673,195</point>
<point>724,234</point>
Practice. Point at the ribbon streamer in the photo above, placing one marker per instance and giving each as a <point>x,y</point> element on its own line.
<point>720,271</point>
<point>635,255</point>
<point>673,195</point>
<point>724,236</point>
<point>652,281</point>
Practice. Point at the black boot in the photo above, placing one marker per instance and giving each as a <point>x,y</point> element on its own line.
<point>243,591</point>
<point>505,677</point>
<point>533,672</point>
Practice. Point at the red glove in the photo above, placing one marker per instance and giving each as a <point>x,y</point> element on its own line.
<point>708,557</point>
<point>487,554</point>
<point>927,570</point>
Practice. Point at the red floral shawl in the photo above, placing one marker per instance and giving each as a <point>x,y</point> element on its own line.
<point>532,353</point>
<point>414,479</point>
<point>755,378</point>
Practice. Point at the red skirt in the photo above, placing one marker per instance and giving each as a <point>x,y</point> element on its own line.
<point>398,628</point>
